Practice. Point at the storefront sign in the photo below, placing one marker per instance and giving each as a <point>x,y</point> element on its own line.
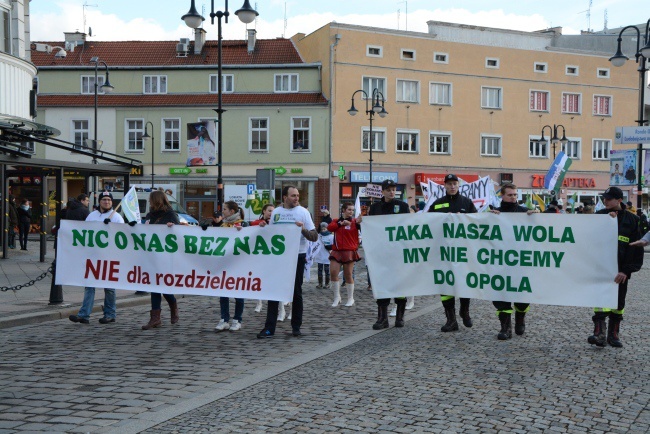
<point>278,170</point>
<point>202,170</point>
<point>632,135</point>
<point>137,171</point>
<point>296,170</point>
<point>439,178</point>
<point>538,182</point>
<point>376,176</point>
<point>341,173</point>
<point>179,171</point>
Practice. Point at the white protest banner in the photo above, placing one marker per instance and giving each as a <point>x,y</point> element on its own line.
<point>252,263</point>
<point>567,260</point>
<point>374,190</point>
<point>479,191</point>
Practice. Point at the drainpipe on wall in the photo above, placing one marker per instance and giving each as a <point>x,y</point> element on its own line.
<point>337,38</point>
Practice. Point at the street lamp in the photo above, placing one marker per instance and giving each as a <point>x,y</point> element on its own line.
<point>146,136</point>
<point>376,108</point>
<point>106,88</point>
<point>641,55</point>
<point>193,19</point>
<point>553,136</point>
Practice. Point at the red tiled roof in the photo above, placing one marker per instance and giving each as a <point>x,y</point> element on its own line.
<point>163,53</point>
<point>192,100</point>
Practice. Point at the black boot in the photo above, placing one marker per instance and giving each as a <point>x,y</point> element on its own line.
<point>520,325</point>
<point>464,312</point>
<point>613,329</point>
<point>451,325</point>
<point>320,282</point>
<point>506,326</point>
<point>401,308</point>
<point>327,281</point>
<point>382,318</point>
<point>598,338</point>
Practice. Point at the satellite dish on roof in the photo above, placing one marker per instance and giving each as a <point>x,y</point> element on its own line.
<point>90,31</point>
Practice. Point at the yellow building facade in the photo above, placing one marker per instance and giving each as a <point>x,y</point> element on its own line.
<point>471,101</point>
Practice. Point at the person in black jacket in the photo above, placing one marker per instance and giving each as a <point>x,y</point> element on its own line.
<point>389,205</point>
<point>630,260</point>
<point>161,213</point>
<point>24,222</point>
<point>13,221</point>
<point>77,209</point>
<point>454,202</point>
<point>504,308</point>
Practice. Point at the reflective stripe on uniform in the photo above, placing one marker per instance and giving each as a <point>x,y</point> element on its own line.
<point>618,312</point>
<point>522,311</point>
<point>441,205</point>
<point>508,311</point>
<point>624,239</point>
<point>602,309</point>
<point>446,297</point>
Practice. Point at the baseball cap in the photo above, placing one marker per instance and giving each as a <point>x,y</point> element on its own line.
<point>104,194</point>
<point>451,177</point>
<point>387,183</point>
<point>613,193</point>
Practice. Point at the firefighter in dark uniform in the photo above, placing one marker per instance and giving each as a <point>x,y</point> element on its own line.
<point>454,202</point>
<point>504,308</point>
<point>630,259</point>
<point>389,205</point>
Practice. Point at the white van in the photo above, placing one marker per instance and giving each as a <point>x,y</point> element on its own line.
<point>143,204</point>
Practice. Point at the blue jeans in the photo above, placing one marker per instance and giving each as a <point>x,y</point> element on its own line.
<point>225,308</point>
<point>156,299</point>
<point>89,301</point>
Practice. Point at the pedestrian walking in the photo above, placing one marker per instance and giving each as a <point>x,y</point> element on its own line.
<point>161,213</point>
<point>509,204</point>
<point>104,214</point>
<point>389,205</point>
<point>344,251</point>
<point>322,258</point>
<point>13,222</point>
<point>630,259</point>
<point>24,222</point>
<point>454,202</point>
<point>291,213</point>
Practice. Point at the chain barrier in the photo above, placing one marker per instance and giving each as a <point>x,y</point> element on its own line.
<point>30,283</point>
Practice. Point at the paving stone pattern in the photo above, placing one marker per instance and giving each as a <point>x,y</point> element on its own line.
<point>60,376</point>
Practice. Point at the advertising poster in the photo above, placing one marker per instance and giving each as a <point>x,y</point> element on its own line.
<point>201,144</point>
<point>249,199</point>
<point>622,167</point>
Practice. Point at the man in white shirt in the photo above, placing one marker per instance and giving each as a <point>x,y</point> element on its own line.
<point>291,213</point>
<point>104,214</point>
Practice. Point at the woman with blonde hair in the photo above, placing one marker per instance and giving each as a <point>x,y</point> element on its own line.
<point>161,213</point>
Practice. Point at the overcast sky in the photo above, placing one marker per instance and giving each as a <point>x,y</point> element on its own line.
<point>113,20</point>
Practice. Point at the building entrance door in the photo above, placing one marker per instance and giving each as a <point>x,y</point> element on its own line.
<point>201,209</point>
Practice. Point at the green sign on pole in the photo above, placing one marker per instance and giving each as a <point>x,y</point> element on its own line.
<point>341,173</point>
<point>278,170</point>
<point>179,171</point>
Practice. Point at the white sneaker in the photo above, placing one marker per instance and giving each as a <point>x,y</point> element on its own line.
<point>223,325</point>
<point>410,303</point>
<point>236,325</point>
<point>281,312</point>
<point>258,306</point>
<point>394,311</point>
<point>289,309</point>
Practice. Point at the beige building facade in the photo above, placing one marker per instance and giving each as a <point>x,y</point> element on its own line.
<point>471,101</point>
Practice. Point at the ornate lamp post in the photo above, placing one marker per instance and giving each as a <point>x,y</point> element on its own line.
<point>553,136</point>
<point>193,19</point>
<point>641,55</point>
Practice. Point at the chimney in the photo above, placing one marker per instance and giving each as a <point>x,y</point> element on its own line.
<point>251,40</point>
<point>199,40</point>
<point>77,38</point>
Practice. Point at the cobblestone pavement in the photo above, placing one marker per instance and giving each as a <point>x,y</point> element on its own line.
<point>340,376</point>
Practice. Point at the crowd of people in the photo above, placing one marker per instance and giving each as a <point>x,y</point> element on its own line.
<point>339,239</point>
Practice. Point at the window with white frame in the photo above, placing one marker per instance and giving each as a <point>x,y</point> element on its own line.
<point>571,103</point>
<point>285,83</point>
<point>572,70</point>
<point>600,149</point>
<point>539,100</point>
<point>408,91</point>
<point>541,67</point>
<point>440,142</point>
<point>227,83</point>
<point>5,30</point>
<point>537,149</point>
<point>492,62</point>
<point>371,83</point>
<point>490,145</point>
<point>602,73</point>
<point>300,134</point>
<point>374,51</point>
<point>408,54</point>
<point>378,140</point>
<point>258,134</point>
<point>171,135</point>
<point>133,131</point>
<point>572,148</point>
<point>440,93</point>
<point>407,141</point>
<point>602,105</point>
<point>440,58</point>
<point>88,84</point>
<point>155,84</point>
<point>491,97</point>
<point>80,132</point>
